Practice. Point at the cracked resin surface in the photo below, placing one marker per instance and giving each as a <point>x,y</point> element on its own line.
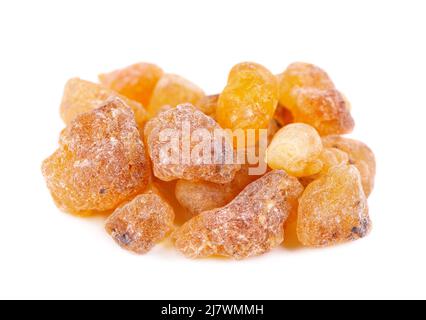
<point>249,98</point>
<point>81,96</point>
<point>360,155</point>
<point>333,209</point>
<point>172,90</point>
<point>140,224</point>
<point>100,163</point>
<point>183,158</point>
<point>310,95</point>
<point>250,225</point>
<point>136,82</point>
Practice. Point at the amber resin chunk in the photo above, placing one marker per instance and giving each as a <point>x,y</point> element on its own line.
<point>81,96</point>
<point>330,157</point>
<point>311,97</point>
<point>177,154</point>
<point>200,196</point>
<point>325,110</point>
<point>302,75</point>
<point>296,148</point>
<point>250,225</point>
<point>100,163</point>
<point>140,224</point>
<point>249,98</point>
<point>208,105</point>
<point>136,82</point>
<point>172,90</point>
<point>333,209</point>
<point>360,155</point>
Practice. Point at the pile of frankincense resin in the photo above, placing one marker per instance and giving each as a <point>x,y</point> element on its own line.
<point>230,174</point>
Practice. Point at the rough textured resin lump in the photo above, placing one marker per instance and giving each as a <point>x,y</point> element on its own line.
<point>333,209</point>
<point>302,75</point>
<point>136,82</point>
<point>81,96</point>
<point>175,154</point>
<point>310,95</point>
<point>249,98</point>
<point>296,148</point>
<point>250,225</point>
<point>140,224</point>
<point>100,163</point>
<point>172,90</point>
<point>360,155</point>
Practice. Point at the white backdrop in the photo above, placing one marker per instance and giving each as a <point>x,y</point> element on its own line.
<point>375,52</point>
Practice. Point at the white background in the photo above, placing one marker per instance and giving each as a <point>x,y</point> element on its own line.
<point>375,52</point>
